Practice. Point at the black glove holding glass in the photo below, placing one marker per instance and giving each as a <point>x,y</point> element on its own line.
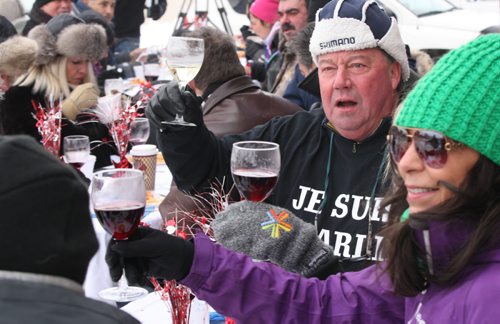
<point>169,101</point>
<point>149,253</point>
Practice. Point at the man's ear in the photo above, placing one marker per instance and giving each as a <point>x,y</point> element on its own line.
<point>395,75</point>
<point>4,84</point>
<point>192,85</point>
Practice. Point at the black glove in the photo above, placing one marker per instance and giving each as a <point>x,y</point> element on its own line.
<point>252,48</point>
<point>246,31</point>
<point>169,101</point>
<point>149,253</point>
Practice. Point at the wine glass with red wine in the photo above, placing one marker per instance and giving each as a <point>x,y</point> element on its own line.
<point>119,197</point>
<point>255,166</point>
<point>76,150</point>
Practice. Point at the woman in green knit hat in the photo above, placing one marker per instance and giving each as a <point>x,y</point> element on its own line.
<point>442,244</point>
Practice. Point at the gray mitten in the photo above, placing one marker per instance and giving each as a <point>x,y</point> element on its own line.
<point>267,232</point>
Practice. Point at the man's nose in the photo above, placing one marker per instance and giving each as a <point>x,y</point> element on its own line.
<point>342,79</point>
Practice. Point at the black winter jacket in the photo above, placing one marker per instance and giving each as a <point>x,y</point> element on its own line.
<point>16,117</point>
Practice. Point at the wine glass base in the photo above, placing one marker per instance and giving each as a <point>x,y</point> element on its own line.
<point>127,294</point>
<point>178,123</point>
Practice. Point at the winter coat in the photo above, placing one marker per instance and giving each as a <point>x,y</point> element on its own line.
<point>235,106</point>
<point>129,16</point>
<point>34,299</point>
<point>297,95</point>
<point>260,292</point>
<point>37,17</point>
<point>311,152</point>
<point>16,117</point>
<point>280,69</point>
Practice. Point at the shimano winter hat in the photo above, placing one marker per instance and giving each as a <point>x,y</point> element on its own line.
<point>349,25</point>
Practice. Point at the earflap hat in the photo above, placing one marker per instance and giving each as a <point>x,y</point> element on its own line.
<point>349,25</point>
<point>67,35</point>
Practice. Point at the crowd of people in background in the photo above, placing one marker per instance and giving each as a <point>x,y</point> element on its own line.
<point>390,169</point>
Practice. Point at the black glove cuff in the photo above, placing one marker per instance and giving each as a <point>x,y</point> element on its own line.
<point>188,260</point>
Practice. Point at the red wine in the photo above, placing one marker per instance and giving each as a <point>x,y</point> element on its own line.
<point>120,218</point>
<point>255,184</point>
<point>151,78</point>
<point>76,165</point>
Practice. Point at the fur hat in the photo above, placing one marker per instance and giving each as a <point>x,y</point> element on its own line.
<point>16,55</point>
<point>67,35</point>
<point>349,25</point>
<point>45,224</point>
<point>92,17</point>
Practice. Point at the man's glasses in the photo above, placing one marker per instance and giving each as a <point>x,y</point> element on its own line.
<point>431,146</point>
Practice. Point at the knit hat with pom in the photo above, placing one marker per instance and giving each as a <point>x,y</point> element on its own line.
<point>459,97</point>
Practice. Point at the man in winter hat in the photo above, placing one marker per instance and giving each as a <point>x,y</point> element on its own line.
<point>46,239</point>
<point>332,158</point>
<point>44,10</point>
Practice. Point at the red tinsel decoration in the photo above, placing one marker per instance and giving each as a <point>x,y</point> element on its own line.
<point>118,115</point>
<point>178,298</point>
<point>48,123</point>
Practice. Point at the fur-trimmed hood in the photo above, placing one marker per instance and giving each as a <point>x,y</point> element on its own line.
<point>16,55</point>
<point>71,37</point>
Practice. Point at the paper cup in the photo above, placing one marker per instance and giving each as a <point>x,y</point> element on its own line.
<point>144,159</point>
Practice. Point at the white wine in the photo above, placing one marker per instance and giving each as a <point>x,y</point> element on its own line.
<point>184,73</point>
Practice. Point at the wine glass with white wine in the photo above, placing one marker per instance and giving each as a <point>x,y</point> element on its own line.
<point>184,57</point>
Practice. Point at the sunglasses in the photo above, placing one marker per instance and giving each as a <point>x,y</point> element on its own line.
<point>431,146</point>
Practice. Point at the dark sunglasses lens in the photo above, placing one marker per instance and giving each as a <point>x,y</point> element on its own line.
<point>399,143</point>
<point>430,147</point>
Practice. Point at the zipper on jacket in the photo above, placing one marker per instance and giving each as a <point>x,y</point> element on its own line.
<point>354,149</point>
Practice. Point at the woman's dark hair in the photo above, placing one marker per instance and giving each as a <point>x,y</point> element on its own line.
<point>476,201</point>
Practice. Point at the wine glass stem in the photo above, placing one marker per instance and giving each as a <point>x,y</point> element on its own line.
<point>122,285</point>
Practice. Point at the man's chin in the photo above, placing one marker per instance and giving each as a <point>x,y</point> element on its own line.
<point>289,34</point>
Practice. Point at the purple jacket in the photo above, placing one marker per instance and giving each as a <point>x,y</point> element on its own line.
<point>259,292</point>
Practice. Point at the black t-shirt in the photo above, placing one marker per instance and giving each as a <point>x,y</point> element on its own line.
<point>194,156</point>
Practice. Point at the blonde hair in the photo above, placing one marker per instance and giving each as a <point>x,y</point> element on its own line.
<point>50,79</point>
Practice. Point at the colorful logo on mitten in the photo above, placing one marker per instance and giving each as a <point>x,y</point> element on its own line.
<point>276,223</point>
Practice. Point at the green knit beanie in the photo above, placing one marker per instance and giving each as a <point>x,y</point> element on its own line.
<point>460,97</point>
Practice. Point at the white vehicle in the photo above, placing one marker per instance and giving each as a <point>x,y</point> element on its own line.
<point>437,26</point>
